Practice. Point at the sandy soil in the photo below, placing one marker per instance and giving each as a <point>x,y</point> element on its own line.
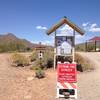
<point>89,82</point>
<point>15,83</point>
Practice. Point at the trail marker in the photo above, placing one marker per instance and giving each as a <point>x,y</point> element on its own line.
<point>66,72</point>
<point>40,55</point>
<point>64,46</point>
<point>66,80</point>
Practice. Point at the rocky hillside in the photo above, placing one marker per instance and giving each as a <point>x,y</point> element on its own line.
<point>9,42</point>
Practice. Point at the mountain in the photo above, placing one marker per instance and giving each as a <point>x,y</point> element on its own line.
<point>10,37</point>
<point>7,37</point>
<point>9,42</point>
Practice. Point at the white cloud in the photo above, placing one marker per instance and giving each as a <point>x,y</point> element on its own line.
<point>94,28</point>
<point>78,36</point>
<point>37,42</point>
<point>47,42</point>
<point>91,27</point>
<point>41,27</point>
<point>66,27</point>
<point>85,24</point>
<point>66,30</point>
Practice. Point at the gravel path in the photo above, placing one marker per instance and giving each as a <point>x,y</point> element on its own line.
<point>16,83</point>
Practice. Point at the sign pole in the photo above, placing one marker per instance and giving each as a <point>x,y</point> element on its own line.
<point>73,54</point>
<point>55,51</point>
<point>54,60</point>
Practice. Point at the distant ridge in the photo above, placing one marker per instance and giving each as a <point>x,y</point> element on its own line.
<point>10,42</point>
<point>10,37</point>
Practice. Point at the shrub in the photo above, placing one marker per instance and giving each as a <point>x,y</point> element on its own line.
<point>33,57</point>
<point>45,62</point>
<point>37,65</point>
<point>12,46</point>
<point>90,47</point>
<point>34,67</point>
<point>79,59</point>
<point>83,63</point>
<point>49,63</point>
<point>48,59</point>
<point>39,73</point>
<point>19,60</point>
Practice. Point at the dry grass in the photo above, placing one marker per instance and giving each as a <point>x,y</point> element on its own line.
<point>19,60</point>
<point>45,62</point>
<point>85,62</point>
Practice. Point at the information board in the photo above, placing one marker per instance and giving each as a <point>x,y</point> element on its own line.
<point>66,72</point>
<point>64,45</point>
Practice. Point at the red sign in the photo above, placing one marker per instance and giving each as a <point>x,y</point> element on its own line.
<point>66,73</point>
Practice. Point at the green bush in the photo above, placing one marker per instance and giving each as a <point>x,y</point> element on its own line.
<point>14,45</point>
<point>90,47</point>
<point>48,59</point>
<point>37,64</point>
<point>49,63</point>
<point>33,67</point>
<point>45,62</point>
<point>33,57</point>
<point>39,73</point>
<point>19,60</point>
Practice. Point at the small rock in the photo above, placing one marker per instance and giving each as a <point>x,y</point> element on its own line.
<point>30,78</point>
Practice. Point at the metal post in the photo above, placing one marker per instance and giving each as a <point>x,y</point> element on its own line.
<point>55,51</point>
<point>54,59</point>
<point>95,45</point>
<point>73,53</point>
<point>86,46</point>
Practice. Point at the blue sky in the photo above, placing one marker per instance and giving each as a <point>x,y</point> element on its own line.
<point>29,19</point>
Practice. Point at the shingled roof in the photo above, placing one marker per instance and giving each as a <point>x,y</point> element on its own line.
<point>65,20</point>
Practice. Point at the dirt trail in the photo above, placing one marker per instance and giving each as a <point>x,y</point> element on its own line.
<point>14,83</point>
<point>89,82</point>
<point>15,86</point>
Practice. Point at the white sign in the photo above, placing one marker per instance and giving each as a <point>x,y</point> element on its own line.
<point>64,45</point>
<point>40,55</point>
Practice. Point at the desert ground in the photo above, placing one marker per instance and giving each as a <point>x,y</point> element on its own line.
<point>16,82</point>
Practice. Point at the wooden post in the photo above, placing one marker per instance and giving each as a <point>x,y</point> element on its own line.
<point>55,51</point>
<point>95,45</point>
<point>86,46</point>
